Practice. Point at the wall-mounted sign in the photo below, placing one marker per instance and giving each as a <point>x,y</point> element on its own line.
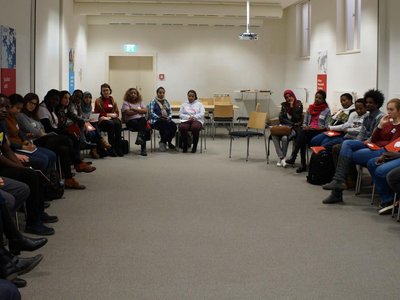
<point>130,48</point>
<point>7,60</point>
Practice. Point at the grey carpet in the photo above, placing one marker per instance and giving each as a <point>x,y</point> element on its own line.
<point>203,226</point>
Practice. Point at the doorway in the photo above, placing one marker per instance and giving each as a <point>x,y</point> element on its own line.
<point>126,72</point>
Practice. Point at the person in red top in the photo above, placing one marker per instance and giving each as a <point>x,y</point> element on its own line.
<point>109,119</point>
<point>387,131</point>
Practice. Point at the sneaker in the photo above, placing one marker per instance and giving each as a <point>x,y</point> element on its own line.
<point>279,163</point>
<point>163,147</point>
<point>386,209</point>
<point>283,163</point>
<point>39,229</point>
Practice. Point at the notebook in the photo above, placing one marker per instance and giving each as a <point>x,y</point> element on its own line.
<point>393,146</point>
<point>317,149</point>
<point>94,116</point>
<point>331,133</point>
<point>372,146</point>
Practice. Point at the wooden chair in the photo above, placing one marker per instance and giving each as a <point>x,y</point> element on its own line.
<point>208,114</point>
<point>222,100</point>
<point>240,119</point>
<point>255,127</point>
<point>223,114</point>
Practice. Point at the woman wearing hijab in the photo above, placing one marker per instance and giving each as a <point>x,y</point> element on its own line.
<point>291,115</point>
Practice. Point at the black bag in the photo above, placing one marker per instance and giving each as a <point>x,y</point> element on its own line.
<point>53,187</point>
<point>321,168</point>
<point>124,146</point>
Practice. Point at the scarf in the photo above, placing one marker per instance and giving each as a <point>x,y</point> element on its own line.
<point>315,109</point>
<point>163,107</point>
<point>86,108</point>
<point>289,108</point>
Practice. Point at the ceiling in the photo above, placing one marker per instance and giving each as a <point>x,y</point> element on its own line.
<point>179,12</point>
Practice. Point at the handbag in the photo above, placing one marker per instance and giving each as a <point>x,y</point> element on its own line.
<point>73,129</point>
<point>280,130</point>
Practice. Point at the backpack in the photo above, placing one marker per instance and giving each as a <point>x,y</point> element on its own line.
<point>53,188</point>
<point>125,146</point>
<point>321,168</point>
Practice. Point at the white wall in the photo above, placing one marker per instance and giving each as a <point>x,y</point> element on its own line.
<point>393,50</point>
<point>209,60</point>
<point>351,72</point>
<point>53,44</point>
<point>74,35</point>
<point>17,14</point>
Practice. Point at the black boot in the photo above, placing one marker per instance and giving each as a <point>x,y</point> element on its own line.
<point>336,196</point>
<point>143,151</point>
<point>338,181</point>
<point>8,269</point>
<point>16,241</point>
<point>139,139</point>
<point>195,142</point>
<point>184,143</point>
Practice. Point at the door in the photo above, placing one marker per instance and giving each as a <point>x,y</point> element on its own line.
<point>131,72</point>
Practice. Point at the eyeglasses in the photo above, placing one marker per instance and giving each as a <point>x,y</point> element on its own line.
<point>33,103</point>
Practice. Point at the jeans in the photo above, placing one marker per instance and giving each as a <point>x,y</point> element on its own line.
<point>326,141</point>
<point>379,173</point>
<point>42,159</point>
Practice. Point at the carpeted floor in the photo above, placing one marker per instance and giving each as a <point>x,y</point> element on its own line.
<point>203,226</point>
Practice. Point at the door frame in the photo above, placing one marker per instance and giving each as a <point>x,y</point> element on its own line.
<point>123,54</point>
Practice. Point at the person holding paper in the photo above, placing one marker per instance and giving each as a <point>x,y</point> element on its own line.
<point>39,158</point>
<point>344,131</point>
<point>360,152</point>
<point>109,120</point>
<point>191,115</point>
<point>29,123</point>
<point>315,121</point>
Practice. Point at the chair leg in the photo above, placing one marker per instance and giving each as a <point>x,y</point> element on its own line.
<point>268,148</point>
<point>394,202</point>
<point>373,194</point>
<point>230,147</point>
<point>265,144</point>
<point>359,179</point>
<point>248,143</point>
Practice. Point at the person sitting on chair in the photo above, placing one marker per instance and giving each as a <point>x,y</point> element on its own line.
<point>315,121</point>
<point>191,115</point>
<point>360,152</point>
<point>161,119</point>
<point>291,114</point>
<point>109,120</point>
<point>134,114</point>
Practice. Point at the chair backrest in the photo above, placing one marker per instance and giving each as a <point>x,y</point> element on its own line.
<point>223,111</point>
<point>207,101</point>
<point>174,102</point>
<point>222,100</point>
<point>257,120</point>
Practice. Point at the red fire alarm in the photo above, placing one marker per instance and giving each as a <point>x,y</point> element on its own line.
<point>161,76</point>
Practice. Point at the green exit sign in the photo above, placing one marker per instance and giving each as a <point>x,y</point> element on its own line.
<point>130,48</point>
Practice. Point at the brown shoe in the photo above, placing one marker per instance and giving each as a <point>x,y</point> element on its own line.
<point>84,167</point>
<point>93,153</point>
<point>71,183</point>
<point>105,144</point>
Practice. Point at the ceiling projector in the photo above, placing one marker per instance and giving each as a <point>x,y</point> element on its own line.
<point>248,36</point>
